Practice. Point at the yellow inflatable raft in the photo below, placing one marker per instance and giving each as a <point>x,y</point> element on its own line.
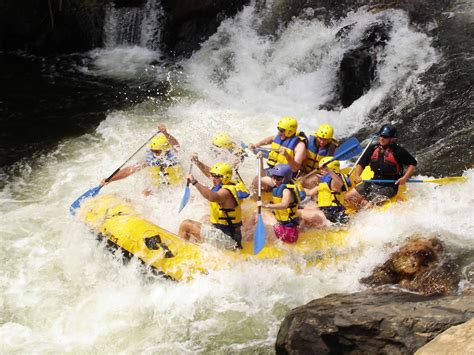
<point>114,219</point>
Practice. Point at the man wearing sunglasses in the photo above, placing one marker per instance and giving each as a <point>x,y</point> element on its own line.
<point>387,160</point>
<point>225,198</point>
<point>160,159</point>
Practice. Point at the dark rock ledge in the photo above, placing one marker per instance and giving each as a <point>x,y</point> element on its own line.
<point>380,321</point>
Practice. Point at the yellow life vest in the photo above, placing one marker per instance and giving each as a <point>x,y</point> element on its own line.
<point>288,215</point>
<point>314,153</point>
<point>164,169</point>
<point>326,196</point>
<point>274,157</point>
<point>227,216</point>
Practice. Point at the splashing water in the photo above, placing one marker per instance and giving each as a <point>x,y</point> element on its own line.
<point>63,292</point>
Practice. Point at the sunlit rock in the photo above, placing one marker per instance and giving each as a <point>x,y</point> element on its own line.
<point>420,265</point>
<point>456,340</point>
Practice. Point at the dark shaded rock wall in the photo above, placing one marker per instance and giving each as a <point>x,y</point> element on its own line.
<point>190,22</point>
<point>54,26</point>
<point>65,26</point>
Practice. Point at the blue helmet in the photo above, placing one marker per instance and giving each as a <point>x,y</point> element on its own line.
<point>388,131</point>
<point>282,170</point>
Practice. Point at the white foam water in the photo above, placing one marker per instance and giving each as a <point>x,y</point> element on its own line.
<point>61,291</point>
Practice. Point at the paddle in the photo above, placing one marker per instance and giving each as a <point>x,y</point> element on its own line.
<point>187,192</point>
<point>259,234</point>
<point>265,151</point>
<point>345,151</point>
<point>95,190</point>
<point>360,156</point>
<point>441,181</point>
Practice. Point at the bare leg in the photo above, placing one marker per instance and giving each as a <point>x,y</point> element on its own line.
<point>356,200</point>
<point>310,181</point>
<point>189,228</point>
<point>312,217</point>
<point>267,185</point>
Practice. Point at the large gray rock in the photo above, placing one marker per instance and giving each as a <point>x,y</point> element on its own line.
<point>370,322</point>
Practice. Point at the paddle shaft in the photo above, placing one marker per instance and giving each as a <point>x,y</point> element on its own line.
<point>126,161</point>
<point>360,156</point>
<point>189,173</point>
<point>259,191</point>
<point>336,156</point>
<point>446,180</point>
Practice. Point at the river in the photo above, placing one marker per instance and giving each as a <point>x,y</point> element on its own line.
<point>61,291</point>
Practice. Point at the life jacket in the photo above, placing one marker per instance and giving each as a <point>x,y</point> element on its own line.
<point>328,197</point>
<point>289,215</point>
<point>384,164</point>
<point>314,153</point>
<point>164,169</point>
<point>228,217</point>
<point>275,157</point>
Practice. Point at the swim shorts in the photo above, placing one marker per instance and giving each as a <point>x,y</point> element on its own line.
<point>335,214</point>
<point>287,234</point>
<point>377,193</point>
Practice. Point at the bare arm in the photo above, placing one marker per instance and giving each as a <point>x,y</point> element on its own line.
<point>357,171</point>
<point>173,141</point>
<point>221,196</point>
<point>203,167</point>
<point>336,183</point>
<point>287,198</point>
<point>264,141</point>
<point>300,155</point>
<point>407,175</point>
<point>125,172</point>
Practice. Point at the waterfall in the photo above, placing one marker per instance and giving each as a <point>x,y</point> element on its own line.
<point>128,26</point>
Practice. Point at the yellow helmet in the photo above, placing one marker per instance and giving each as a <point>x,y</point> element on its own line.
<point>289,124</point>
<point>160,142</point>
<point>224,170</point>
<point>325,131</point>
<point>223,140</point>
<point>334,165</point>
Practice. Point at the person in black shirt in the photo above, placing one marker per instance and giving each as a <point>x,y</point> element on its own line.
<point>387,160</point>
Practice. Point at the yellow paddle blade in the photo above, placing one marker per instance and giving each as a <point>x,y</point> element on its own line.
<point>447,180</point>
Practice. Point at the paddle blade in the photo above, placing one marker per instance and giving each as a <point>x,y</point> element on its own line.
<point>259,236</point>
<point>89,193</point>
<point>185,199</point>
<point>447,180</point>
<point>347,144</point>
<point>350,151</point>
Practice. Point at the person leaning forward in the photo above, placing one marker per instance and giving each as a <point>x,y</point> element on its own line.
<point>225,199</point>
<point>287,147</point>
<point>387,160</point>
<point>160,160</point>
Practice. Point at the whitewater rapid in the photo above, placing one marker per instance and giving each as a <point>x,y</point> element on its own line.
<point>62,292</point>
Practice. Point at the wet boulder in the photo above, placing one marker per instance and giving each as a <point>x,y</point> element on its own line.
<point>357,69</point>
<point>421,265</point>
<point>382,321</point>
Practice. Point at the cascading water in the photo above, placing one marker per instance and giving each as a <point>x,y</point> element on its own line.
<point>134,25</point>
<point>63,292</point>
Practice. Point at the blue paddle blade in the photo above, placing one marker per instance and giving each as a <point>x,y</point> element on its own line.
<point>185,199</point>
<point>89,193</point>
<point>349,152</point>
<point>259,236</point>
<point>348,143</point>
